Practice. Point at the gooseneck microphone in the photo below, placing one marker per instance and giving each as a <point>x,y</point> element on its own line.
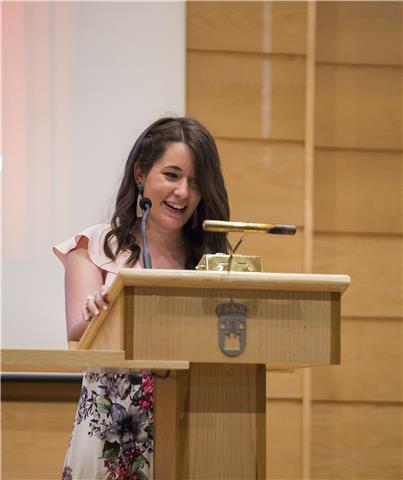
<point>145,204</point>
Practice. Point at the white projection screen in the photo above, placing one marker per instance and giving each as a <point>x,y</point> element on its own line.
<point>80,81</point>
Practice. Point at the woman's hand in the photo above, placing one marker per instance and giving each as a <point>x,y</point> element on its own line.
<point>85,290</point>
<point>94,304</point>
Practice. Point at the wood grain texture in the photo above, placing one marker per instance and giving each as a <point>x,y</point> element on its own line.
<point>309,165</point>
<point>375,265</point>
<point>276,194</point>
<point>35,436</point>
<point>107,328</point>
<point>301,310</point>
<point>33,391</point>
<point>279,253</point>
<point>360,32</point>
<point>284,385</point>
<point>357,200</point>
<point>284,440</point>
<point>371,363</point>
<point>285,329</point>
<point>246,96</point>
<point>166,419</point>
<point>205,281</point>
<point>77,360</point>
<point>293,318</point>
<point>271,27</point>
<point>357,441</point>
<point>224,422</point>
<point>358,191</point>
<point>359,107</point>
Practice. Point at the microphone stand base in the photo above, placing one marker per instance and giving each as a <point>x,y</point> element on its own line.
<point>221,262</point>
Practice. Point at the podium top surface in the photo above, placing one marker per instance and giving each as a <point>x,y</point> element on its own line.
<point>232,280</point>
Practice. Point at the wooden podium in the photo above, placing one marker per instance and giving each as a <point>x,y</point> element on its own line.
<point>210,418</point>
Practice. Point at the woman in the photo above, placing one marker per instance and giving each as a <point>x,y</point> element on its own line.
<point>175,163</point>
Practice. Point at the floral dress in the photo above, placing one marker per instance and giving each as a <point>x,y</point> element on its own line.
<point>113,430</point>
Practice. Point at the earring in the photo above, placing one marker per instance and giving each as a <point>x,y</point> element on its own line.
<point>139,210</point>
<point>193,225</point>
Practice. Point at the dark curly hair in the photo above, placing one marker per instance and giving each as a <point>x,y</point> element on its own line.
<point>149,148</point>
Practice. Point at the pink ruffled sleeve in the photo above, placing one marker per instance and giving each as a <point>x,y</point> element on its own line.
<point>96,235</point>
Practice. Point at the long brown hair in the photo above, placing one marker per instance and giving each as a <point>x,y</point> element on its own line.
<point>149,148</point>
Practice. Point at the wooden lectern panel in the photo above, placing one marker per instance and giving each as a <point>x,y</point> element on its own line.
<point>292,320</point>
<point>226,417</point>
<point>210,420</point>
<point>283,328</point>
<point>210,423</point>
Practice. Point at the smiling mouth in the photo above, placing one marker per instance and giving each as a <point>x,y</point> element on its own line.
<point>175,207</point>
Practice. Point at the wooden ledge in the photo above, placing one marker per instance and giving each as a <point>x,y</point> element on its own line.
<point>78,360</point>
<point>233,280</point>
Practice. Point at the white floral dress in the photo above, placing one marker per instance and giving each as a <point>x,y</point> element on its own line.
<point>113,431</point>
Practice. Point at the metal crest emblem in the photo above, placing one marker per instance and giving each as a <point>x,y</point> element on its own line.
<point>231,323</point>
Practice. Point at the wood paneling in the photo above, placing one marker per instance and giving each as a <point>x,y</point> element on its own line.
<point>34,391</point>
<point>358,191</point>
<point>279,253</point>
<point>247,96</point>
<point>284,385</point>
<point>241,89</point>
<point>360,32</point>
<point>167,441</point>
<point>286,329</point>
<point>35,436</point>
<point>374,263</point>
<point>357,441</point>
<point>275,27</point>
<point>224,423</point>
<point>276,194</point>
<point>371,363</point>
<point>359,107</point>
<point>284,452</point>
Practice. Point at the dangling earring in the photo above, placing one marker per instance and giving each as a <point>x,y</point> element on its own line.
<point>139,210</point>
<point>193,225</point>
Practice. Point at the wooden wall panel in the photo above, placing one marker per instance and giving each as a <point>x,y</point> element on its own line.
<point>271,27</point>
<point>279,253</point>
<point>278,189</point>
<point>41,432</point>
<point>284,440</point>
<point>357,441</point>
<point>358,191</point>
<point>246,80</point>
<point>371,363</point>
<point>247,96</point>
<point>359,107</point>
<point>360,32</point>
<point>375,265</point>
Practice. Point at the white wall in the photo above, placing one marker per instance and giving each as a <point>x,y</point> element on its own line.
<point>80,82</point>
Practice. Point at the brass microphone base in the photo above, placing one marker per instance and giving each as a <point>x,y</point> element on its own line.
<point>221,262</point>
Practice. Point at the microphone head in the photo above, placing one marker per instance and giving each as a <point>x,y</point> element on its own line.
<point>145,203</point>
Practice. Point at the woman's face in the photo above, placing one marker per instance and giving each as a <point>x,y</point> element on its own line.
<point>172,186</point>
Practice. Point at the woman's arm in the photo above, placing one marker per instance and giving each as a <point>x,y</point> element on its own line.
<point>82,279</point>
